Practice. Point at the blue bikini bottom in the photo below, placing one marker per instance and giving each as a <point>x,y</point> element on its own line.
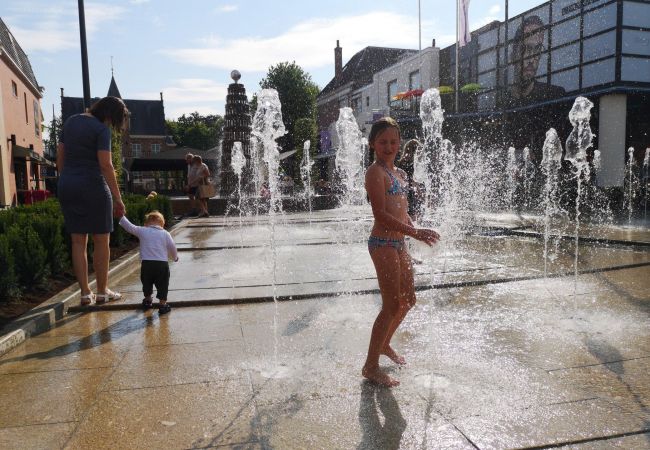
<point>375,242</point>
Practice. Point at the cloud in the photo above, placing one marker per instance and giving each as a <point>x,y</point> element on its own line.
<point>495,10</point>
<point>309,43</point>
<point>173,112</point>
<point>226,8</point>
<point>139,2</point>
<point>55,27</point>
<point>189,90</point>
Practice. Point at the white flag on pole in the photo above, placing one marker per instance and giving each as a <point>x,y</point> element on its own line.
<point>464,35</point>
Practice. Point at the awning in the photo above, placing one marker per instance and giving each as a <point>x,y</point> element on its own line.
<point>23,152</point>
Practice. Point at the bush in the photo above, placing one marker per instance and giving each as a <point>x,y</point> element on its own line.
<point>8,281</point>
<point>50,230</point>
<point>30,256</point>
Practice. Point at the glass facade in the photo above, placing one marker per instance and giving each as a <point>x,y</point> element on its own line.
<point>554,51</point>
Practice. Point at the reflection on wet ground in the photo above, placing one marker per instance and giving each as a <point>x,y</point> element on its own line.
<point>498,356</point>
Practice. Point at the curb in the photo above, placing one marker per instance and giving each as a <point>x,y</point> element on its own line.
<point>43,317</point>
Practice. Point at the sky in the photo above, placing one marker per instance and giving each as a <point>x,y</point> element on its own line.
<point>187,49</point>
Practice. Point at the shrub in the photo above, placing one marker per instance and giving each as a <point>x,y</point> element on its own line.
<point>50,230</point>
<point>30,256</point>
<point>8,281</point>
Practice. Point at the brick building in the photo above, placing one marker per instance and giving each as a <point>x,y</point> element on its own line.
<point>21,144</point>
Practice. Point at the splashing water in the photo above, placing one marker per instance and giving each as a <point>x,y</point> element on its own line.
<point>551,163</point>
<point>237,162</point>
<point>512,171</point>
<point>646,181</point>
<point>577,144</point>
<point>432,116</point>
<point>349,157</point>
<point>267,127</point>
<point>631,183</point>
<point>305,174</point>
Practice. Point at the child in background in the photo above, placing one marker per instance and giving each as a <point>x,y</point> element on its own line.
<point>156,247</point>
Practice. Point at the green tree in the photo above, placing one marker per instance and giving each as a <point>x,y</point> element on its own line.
<point>196,131</point>
<point>297,94</point>
<point>116,153</point>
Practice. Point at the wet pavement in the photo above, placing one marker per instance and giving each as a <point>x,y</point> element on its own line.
<point>499,356</point>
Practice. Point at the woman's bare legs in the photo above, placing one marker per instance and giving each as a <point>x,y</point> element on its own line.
<point>387,265</point>
<point>406,302</point>
<point>101,258</point>
<point>80,261</point>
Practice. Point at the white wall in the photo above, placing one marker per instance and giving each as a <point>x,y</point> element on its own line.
<point>612,118</point>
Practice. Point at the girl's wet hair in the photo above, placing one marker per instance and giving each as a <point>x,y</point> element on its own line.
<point>380,125</point>
<point>112,109</point>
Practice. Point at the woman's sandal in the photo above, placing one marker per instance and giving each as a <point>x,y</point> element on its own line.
<point>107,297</point>
<point>87,299</point>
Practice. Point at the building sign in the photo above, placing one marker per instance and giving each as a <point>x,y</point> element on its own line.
<point>575,7</point>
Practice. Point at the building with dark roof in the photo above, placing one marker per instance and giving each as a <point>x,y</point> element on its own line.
<point>21,144</point>
<point>145,146</point>
<point>372,83</point>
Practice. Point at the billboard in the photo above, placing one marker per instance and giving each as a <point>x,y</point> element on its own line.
<point>555,50</point>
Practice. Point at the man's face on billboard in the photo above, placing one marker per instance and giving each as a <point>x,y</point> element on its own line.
<point>531,47</point>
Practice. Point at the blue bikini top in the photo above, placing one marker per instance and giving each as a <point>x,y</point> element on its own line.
<point>396,186</point>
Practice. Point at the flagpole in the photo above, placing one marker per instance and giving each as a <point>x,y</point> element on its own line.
<point>419,27</point>
<point>505,74</point>
<point>457,55</point>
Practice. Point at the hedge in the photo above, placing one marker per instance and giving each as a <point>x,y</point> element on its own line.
<point>34,244</point>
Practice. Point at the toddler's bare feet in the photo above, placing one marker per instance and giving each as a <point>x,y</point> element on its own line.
<point>392,354</point>
<point>375,375</point>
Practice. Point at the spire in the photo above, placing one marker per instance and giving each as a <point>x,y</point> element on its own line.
<point>113,91</point>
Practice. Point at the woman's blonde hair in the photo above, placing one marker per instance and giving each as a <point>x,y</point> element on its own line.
<point>154,216</point>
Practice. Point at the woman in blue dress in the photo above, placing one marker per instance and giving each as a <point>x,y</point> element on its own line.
<point>88,190</point>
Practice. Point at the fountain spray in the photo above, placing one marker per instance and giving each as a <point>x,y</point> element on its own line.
<point>577,144</point>
<point>305,173</point>
<point>237,162</point>
<point>551,163</point>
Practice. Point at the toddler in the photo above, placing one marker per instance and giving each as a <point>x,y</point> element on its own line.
<point>156,247</point>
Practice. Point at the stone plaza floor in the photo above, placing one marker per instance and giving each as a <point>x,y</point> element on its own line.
<point>501,354</point>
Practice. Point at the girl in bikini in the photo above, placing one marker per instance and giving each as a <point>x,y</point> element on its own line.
<point>387,190</point>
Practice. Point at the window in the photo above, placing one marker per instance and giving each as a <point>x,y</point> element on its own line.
<point>598,73</point>
<point>488,39</point>
<point>567,79</point>
<point>37,119</point>
<point>343,102</point>
<point>636,15</point>
<point>599,46</point>
<point>600,19</point>
<point>487,61</point>
<point>26,113</point>
<point>391,90</point>
<point>488,80</point>
<point>636,42</point>
<point>155,148</point>
<point>565,57</point>
<point>368,102</point>
<point>136,150</point>
<point>566,32</point>
<point>14,88</point>
<point>635,69</point>
<point>414,80</point>
<point>355,104</point>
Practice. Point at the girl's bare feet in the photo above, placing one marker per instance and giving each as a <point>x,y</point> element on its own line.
<point>375,375</point>
<point>392,354</point>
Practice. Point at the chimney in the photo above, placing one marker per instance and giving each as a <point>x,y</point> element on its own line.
<point>338,60</point>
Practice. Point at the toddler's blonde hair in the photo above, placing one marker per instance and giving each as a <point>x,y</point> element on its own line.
<point>154,216</point>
